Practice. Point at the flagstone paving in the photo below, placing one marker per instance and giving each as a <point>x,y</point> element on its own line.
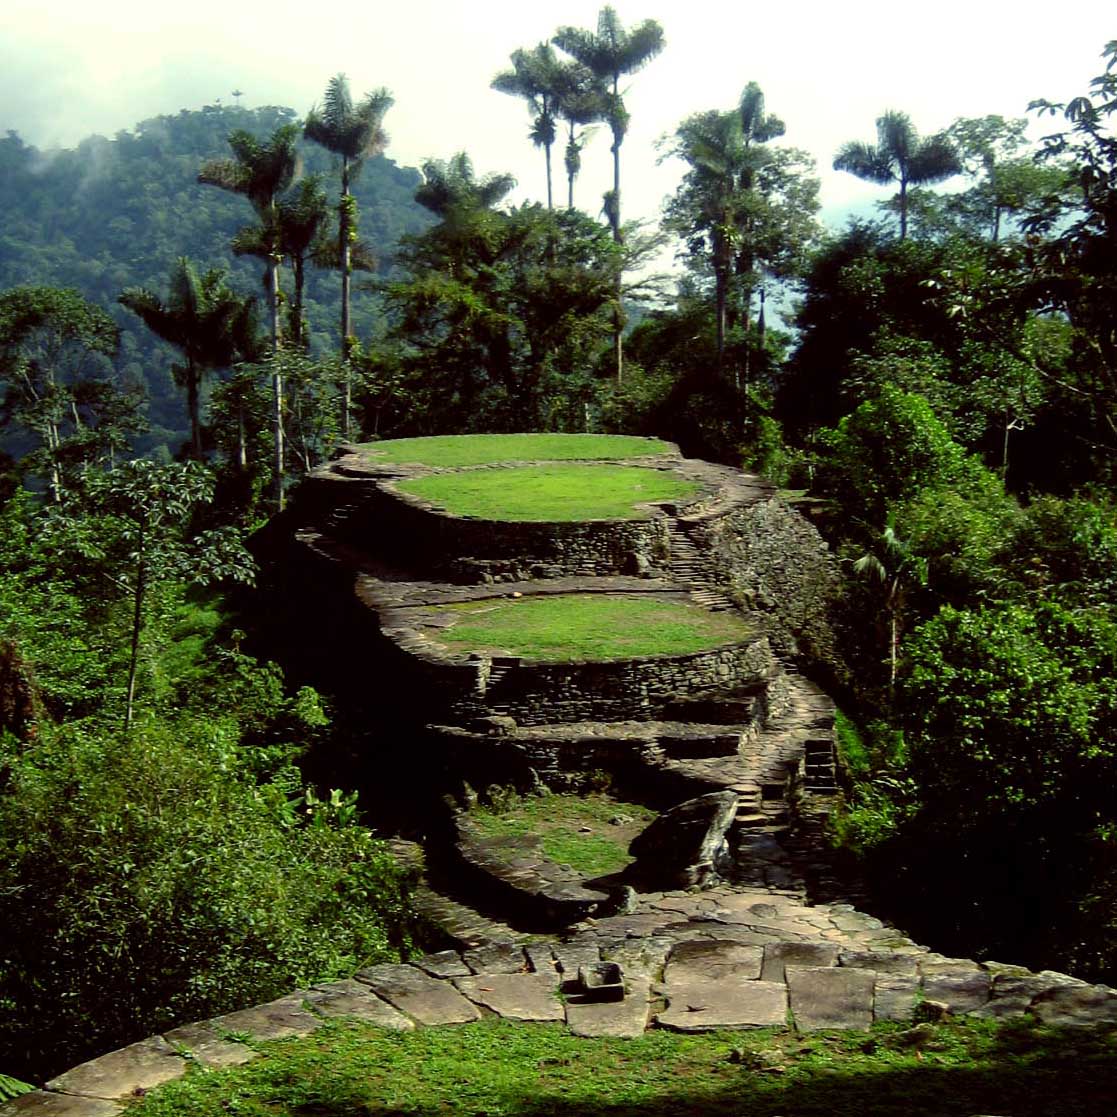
<point>728,957</point>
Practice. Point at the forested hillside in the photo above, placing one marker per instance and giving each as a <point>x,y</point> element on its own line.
<point>117,213</point>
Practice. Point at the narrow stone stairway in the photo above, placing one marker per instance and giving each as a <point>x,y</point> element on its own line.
<point>689,569</point>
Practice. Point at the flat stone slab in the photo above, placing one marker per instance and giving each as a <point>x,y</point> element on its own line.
<point>497,957</point>
<point>515,996</point>
<point>959,991</point>
<point>625,1019</point>
<point>706,1006</point>
<point>276,1020</point>
<point>639,958</point>
<point>825,997</point>
<point>445,963</point>
<point>206,1045</point>
<point>712,960</point>
<point>121,1074</point>
<point>779,955</point>
<point>419,995</point>
<point>570,956</point>
<point>41,1103</point>
<point>357,1000</point>
<point>879,961</point>
<point>894,998</point>
<point>1075,1006</point>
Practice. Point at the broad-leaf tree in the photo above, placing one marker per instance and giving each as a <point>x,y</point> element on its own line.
<point>131,523</point>
<point>901,156</point>
<point>51,340</point>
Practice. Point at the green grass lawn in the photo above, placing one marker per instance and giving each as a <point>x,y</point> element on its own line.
<point>483,449</point>
<point>575,830</point>
<point>586,626</point>
<point>548,493</point>
<point>539,1070</point>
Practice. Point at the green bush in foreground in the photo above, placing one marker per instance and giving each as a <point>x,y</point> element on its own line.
<point>148,880</point>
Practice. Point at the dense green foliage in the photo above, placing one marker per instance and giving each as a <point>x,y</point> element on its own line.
<point>941,389</point>
<point>176,867</point>
<point>118,213</point>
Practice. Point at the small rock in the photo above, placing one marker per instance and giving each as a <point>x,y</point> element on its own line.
<point>916,1037</point>
<point>931,1012</point>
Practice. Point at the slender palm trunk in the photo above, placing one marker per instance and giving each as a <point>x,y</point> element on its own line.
<point>571,166</point>
<point>298,264</point>
<point>615,218</point>
<point>137,627</point>
<point>277,379</point>
<point>345,258</point>
<point>903,207</point>
<point>193,405</point>
<point>547,156</point>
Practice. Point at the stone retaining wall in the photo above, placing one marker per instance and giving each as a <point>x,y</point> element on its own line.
<point>542,693</point>
<point>774,561</point>
<point>459,548</point>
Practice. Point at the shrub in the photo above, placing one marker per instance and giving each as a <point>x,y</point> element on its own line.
<point>149,881</point>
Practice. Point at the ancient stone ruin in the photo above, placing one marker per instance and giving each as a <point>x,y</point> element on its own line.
<point>729,917</point>
<point>738,721</point>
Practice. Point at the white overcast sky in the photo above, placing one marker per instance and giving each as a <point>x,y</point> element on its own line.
<point>70,68</point>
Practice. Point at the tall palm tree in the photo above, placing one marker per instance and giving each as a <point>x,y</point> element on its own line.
<point>209,323</point>
<point>451,185</point>
<point>900,156</point>
<point>533,77</point>
<point>353,132</point>
<point>717,199</point>
<point>611,53</point>
<point>262,171</point>
<point>579,101</point>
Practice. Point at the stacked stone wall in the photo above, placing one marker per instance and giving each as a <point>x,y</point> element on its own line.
<point>472,550</point>
<point>776,563</point>
<point>541,693</point>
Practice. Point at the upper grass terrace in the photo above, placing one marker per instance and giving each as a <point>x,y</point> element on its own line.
<point>451,451</point>
<point>565,492</point>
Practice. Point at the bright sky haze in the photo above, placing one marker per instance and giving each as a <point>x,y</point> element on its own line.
<point>70,69</point>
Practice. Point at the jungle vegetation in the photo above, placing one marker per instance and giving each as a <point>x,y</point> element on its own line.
<point>942,395</point>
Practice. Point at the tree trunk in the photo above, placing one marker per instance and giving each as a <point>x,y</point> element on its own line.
<point>570,172</point>
<point>903,208</point>
<point>277,404</point>
<point>345,257</point>
<point>277,380</point>
<point>194,407</point>
<point>137,626</point>
<point>547,155</point>
<point>615,218</point>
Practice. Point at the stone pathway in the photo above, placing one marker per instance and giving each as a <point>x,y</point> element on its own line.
<point>725,958</point>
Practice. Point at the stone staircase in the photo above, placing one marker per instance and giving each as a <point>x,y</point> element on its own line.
<point>689,568</point>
